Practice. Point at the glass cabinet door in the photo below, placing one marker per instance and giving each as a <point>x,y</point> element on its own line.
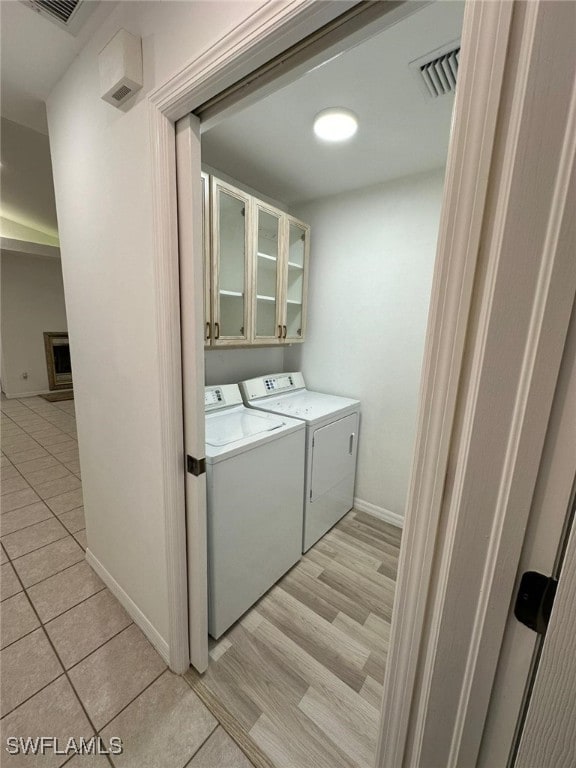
<point>266,268</point>
<point>230,265</point>
<point>204,180</point>
<point>296,279</point>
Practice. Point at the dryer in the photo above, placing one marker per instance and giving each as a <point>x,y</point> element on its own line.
<point>254,477</point>
<point>332,426</point>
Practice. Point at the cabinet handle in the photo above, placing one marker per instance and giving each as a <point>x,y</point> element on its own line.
<point>285,332</point>
<point>217,329</point>
<point>351,443</point>
<point>279,331</point>
<point>208,331</point>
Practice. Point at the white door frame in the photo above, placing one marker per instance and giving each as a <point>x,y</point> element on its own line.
<point>441,665</point>
<point>463,300</point>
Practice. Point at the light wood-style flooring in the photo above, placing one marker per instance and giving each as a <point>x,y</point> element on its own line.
<point>300,676</point>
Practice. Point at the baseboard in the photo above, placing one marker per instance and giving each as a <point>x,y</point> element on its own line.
<point>139,618</point>
<point>19,395</point>
<point>384,514</point>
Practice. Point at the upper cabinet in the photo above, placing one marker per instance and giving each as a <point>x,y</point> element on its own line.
<point>231,268</point>
<point>256,270</point>
<point>295,273</point>
<point>267,276</point>
<point>205,181</point>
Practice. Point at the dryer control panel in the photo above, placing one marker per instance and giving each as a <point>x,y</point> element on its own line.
<point>221,396</point>
<point>275,384</point>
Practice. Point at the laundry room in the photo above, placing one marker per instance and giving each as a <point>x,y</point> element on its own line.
<point>319,256</point>
<point>372,204</point>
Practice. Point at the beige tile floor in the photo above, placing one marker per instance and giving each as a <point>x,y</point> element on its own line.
<point>73,663</point>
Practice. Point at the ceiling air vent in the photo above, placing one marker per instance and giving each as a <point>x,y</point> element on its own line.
<point>437,72</point>
<point>60,9</point>
<point>66,14</point>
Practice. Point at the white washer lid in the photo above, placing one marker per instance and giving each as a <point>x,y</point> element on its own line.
<point>307,405</point>
<point>229,427</point>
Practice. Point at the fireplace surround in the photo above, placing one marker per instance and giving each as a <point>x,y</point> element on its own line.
<point>58,360</point>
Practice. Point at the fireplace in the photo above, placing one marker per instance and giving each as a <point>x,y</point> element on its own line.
<point>58,360</point>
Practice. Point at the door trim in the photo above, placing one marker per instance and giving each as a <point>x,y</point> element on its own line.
<point>270,30</point>
<point>484,45</point>
<point>192,267</point>
<point>523,294</point>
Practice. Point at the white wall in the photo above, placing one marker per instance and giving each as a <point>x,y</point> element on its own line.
<point>32,302</point>
<point>229,366</point>
<point>101,160</point>
<point>372,257</point>
<point>27,207</point>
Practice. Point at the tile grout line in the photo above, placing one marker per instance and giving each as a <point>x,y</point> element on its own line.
<point>36,583</point>
<point>22,636</point>
<point>65,672</point>
<point>56,573</point>
<point>44,448</point>
<point>149,685</point>
<point>40,446</point>
<point>43,501</point>
<point>101,644</point>
<point>30,525</point>
<point>28,698</point>
<point>12,559</point>
<point>24,507</point>
<point>43,545</point>
<point>43,626</point>
<point>204,742</point>
<point>58,615</point>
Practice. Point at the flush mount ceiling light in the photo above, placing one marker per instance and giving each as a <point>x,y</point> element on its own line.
<point>335,124</point>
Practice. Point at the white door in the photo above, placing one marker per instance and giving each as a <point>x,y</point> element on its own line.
<point>548,736</point>
<point>190,226</point>
<point>548,530</point>
<point>333,454</point>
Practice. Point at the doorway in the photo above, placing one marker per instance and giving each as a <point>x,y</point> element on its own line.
<point>373,235</point>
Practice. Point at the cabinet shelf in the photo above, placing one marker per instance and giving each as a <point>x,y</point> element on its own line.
<point>266,256</point>
<point>265,298</point>
<point>231,293</point>
<point>296,266</point>
<point>291,301</point>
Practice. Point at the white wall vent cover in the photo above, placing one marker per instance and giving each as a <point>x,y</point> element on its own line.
<point>120,65</point>
<point>66,14</point>
<point>437,71</point>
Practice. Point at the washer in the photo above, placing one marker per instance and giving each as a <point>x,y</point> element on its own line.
<point>332,425</point>
<point>255,477</point>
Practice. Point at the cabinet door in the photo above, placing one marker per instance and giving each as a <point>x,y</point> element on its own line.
<point>205,181</point>
<point>230,264</point>
<point>296,275</point>
<point>267,275</point>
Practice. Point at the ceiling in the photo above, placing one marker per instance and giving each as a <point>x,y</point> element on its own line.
<point>270,145</point>
<point>34,54</point>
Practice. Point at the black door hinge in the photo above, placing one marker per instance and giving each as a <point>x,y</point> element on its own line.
<point>195,466</point>
<point>535,600</point>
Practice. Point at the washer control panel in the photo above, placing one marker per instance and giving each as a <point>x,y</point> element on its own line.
<point>279,383</point>
<point>274,384</point>
<point>221,396</point>
<point>213,397</point>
